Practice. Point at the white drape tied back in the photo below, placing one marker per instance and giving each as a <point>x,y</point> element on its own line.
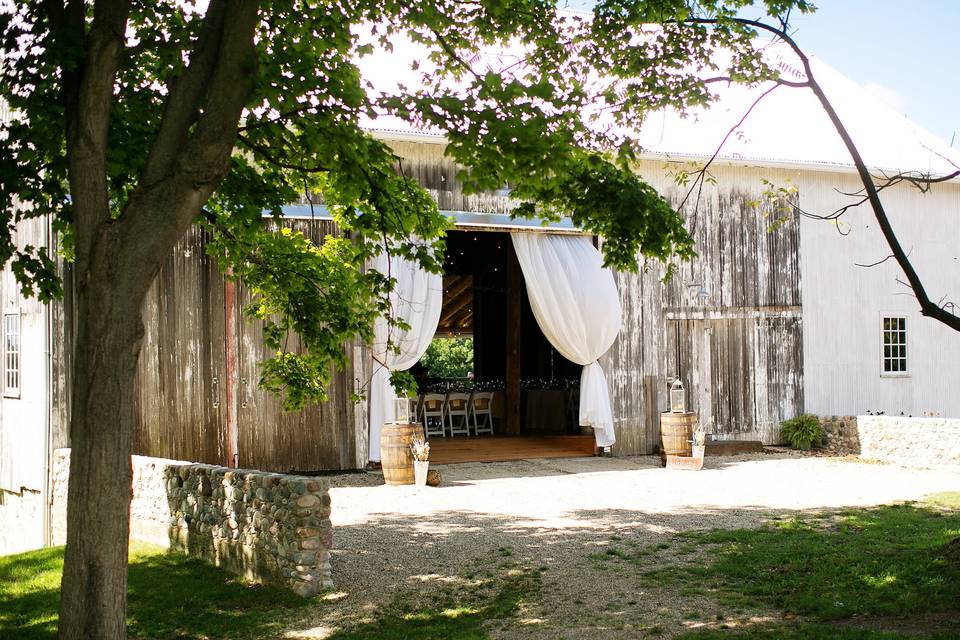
<point>575,301</point>
<point>417,297</point>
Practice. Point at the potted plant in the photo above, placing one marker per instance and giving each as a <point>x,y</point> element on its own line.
<point>421,460</point>
<point>699,443</point>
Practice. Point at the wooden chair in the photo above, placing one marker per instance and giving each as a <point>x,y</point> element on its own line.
<point>480,406</point>
<point>432,412</point>
<point>458,408</point>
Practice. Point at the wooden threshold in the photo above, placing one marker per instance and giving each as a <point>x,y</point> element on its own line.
<point>502,448</point>
<point>733,447</point>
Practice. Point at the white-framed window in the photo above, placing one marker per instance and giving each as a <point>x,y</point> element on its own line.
<point>11,355</point>
<point>894,346</point>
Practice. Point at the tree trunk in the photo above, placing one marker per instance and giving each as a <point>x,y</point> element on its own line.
<point>107,346</point>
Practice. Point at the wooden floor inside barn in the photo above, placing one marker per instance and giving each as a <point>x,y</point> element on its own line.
<point>502,448</point>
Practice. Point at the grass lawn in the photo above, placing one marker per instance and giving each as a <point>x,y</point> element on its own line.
<point>173,596</point>
<point>884,572</point>
<point>170,596</point>
<point>456,615</point>
<point>881,573</point>
<point>891,561</point>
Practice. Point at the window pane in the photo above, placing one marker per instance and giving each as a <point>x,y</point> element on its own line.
<point>11,352</point>
<point>894,343</point>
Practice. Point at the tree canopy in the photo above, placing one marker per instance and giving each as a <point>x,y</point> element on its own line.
<point>132,120</point>
<point>550,129</point>
<point>449,358</point>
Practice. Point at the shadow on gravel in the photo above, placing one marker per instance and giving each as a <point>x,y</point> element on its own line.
<point>841,573</point>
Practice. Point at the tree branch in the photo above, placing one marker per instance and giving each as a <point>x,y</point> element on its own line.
<point>268,157</point>
<point>158,212</point>
<point>927,306</point>
<point>182,106</point>
<point>87,85</point>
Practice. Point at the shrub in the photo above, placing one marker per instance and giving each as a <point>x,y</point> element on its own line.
<point>801,432</point>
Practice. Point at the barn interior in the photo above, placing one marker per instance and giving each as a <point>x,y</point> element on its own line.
<point>536,389</point>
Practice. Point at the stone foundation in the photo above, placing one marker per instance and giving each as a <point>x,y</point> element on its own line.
<point>21,521</point>
<point>918,442</point>
<point>268,527</point>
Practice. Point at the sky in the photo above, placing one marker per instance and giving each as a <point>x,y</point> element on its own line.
<point>905,53</point>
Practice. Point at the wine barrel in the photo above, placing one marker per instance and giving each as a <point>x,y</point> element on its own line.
<point>396,458</point>
<point>676,432</point>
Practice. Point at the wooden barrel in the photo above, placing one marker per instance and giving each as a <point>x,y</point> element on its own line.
<point>395,455</point>
<point>676,432</point>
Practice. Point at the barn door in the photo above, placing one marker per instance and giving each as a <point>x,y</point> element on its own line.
<point>181,378</point>
<point>743,374</point>
<point>321,436</point>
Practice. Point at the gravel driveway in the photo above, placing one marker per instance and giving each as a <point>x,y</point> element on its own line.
<point>550,515</point>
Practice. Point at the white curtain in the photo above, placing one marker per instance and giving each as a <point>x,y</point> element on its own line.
<point>576,303</point>
<point>417,297</point>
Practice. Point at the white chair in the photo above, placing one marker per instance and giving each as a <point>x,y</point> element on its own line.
<point>480,405</point>
<point>432,413</point>
<point>458,408</point>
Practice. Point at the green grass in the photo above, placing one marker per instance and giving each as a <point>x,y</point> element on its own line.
<point>173,596</point>
<point>460,616</point>
<point>805,632</point>
<point>898,560</point>
<point>947,499</point>
<point>170,596</point>
<point>843,576</point>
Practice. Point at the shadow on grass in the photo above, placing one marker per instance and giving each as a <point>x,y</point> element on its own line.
<point>899,560</point>
<point>810,632</point>
<point>451,618</point>
<point>169,596</point>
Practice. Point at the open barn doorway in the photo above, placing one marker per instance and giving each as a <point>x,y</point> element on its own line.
<point>488,342</point>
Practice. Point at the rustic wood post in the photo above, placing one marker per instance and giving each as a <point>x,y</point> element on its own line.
<point>514,283</point>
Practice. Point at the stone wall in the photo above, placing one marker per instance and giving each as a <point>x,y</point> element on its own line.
<point>268,527</point>
<point>920,442</point>
<point>149,511</point>
<point>840,434</point>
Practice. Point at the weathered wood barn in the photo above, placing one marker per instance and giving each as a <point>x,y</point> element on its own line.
<point>778,315</point>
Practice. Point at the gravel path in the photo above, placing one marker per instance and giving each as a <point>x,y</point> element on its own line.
<point>548,516</point>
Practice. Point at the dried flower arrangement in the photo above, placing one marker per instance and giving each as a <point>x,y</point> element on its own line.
<point>699,437</point>
<point>420,449</point>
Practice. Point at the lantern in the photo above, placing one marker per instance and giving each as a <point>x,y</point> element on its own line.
<point>678,397</point>
<point>402,411</point>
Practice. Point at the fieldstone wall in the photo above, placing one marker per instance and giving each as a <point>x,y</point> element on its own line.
<point>840,434</point>
<point>268,527</point>
<point>919,442</point>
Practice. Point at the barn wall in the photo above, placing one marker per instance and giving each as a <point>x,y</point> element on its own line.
<point>23,434</point>
<point>437,174</point>
<point>843,303</point>
<point>182,380</point>
<point>321,436</point>
<point>734,311</point>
